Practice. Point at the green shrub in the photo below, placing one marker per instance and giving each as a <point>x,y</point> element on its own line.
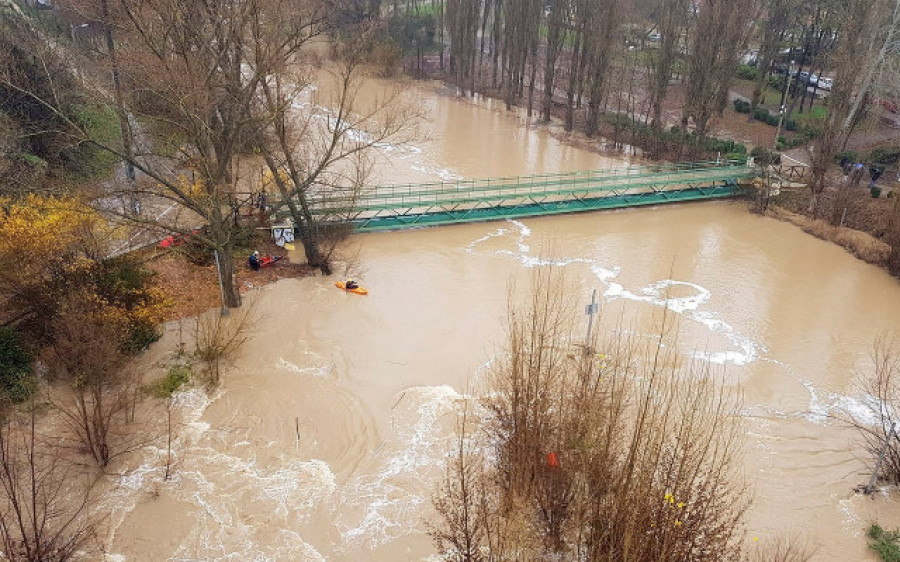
<point>100,122</point>
<point>761,114</point>
<point>125,283</point>
<point>16,375</point>
<point>885,155</point>
<point>884,543</point>
<point>850,155</point>
<point>742,106</point>
<point>875,191</point>
<point>34,161</point>
<point>177,377</point>
<point>747,72</point>
<point>790,125</point>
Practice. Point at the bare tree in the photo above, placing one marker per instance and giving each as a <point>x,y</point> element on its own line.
<point>600,51</point>
<point>217,337</point>
<point>95,388</point>
<point>222,54</point>
<point>622,455</point>
<point>461,526</point>
<point>670,21</point>
<point>44,508</point>
<point>556,34</point>
<point>777,21</point>
<point>319,162</point>
<point>721,33</point>
<point>882,386</point>
<point>853,51</point>
<point>462,24</point>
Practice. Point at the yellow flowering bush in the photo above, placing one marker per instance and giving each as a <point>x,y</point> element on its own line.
<point>52,247</point>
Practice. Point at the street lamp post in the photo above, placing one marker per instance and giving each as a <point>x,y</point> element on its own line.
<point>787,83</point>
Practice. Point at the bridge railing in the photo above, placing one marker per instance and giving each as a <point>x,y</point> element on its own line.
<point>498,189</point>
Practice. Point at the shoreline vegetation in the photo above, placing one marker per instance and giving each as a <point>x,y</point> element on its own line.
<point>860,244</point>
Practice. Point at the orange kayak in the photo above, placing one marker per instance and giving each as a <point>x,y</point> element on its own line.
<point>358,290</point>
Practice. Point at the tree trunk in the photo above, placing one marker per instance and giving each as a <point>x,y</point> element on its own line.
<point>226,270</point>
<point>313,253</point>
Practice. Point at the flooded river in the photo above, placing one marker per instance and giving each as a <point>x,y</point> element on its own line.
<point>369,383</point>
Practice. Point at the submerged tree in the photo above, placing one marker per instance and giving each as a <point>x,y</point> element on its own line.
<point>318,157</point>
<point>94,389</point>
<point>44,508</point>
<point>623,454</point>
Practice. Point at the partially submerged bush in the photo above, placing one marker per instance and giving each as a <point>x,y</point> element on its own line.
<point>882,384</point>
<point>623,454</point>
<point>885,543</point>
<point>177,377</point>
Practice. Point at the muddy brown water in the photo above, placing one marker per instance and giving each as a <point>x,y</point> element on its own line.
<point>371,382</point>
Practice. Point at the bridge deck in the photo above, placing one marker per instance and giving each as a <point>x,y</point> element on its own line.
<point>400,206</point>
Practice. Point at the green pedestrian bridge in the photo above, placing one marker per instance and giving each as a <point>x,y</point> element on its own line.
<point>415,205</point>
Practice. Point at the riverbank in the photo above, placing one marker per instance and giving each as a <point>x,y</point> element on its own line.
<point>861,244</point>
<point>869,228</point>
<point>194,289</point>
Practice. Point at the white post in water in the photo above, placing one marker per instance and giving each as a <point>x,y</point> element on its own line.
<point>221,285</point>
<point>590,310</point>
<point>871,486</point>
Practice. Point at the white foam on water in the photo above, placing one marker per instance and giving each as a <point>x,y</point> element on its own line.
<point>317,371</point>
<point>654,294</point>
<point>224,487</point>
<point>227,525</point>
<point>443,173</point>
<point>391,505</point>
<point>824,405</point>
<point>604,274</point>
<point>852,521</point>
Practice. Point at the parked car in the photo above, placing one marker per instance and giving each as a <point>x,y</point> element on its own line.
<point>825,83</point>
<point>889,105</point>
<point>654,37</point>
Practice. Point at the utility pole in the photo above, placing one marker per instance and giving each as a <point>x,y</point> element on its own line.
<point>787,83</point>
<point>590,310</point>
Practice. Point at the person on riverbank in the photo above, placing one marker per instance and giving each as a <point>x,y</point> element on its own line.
<point>874,173</point>
<point>351,284</point>
<point>254,261</point>
<point>845,166</point>
<point>856,176</point>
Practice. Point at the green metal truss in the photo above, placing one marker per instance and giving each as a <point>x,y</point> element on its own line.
<point>417,205</point>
